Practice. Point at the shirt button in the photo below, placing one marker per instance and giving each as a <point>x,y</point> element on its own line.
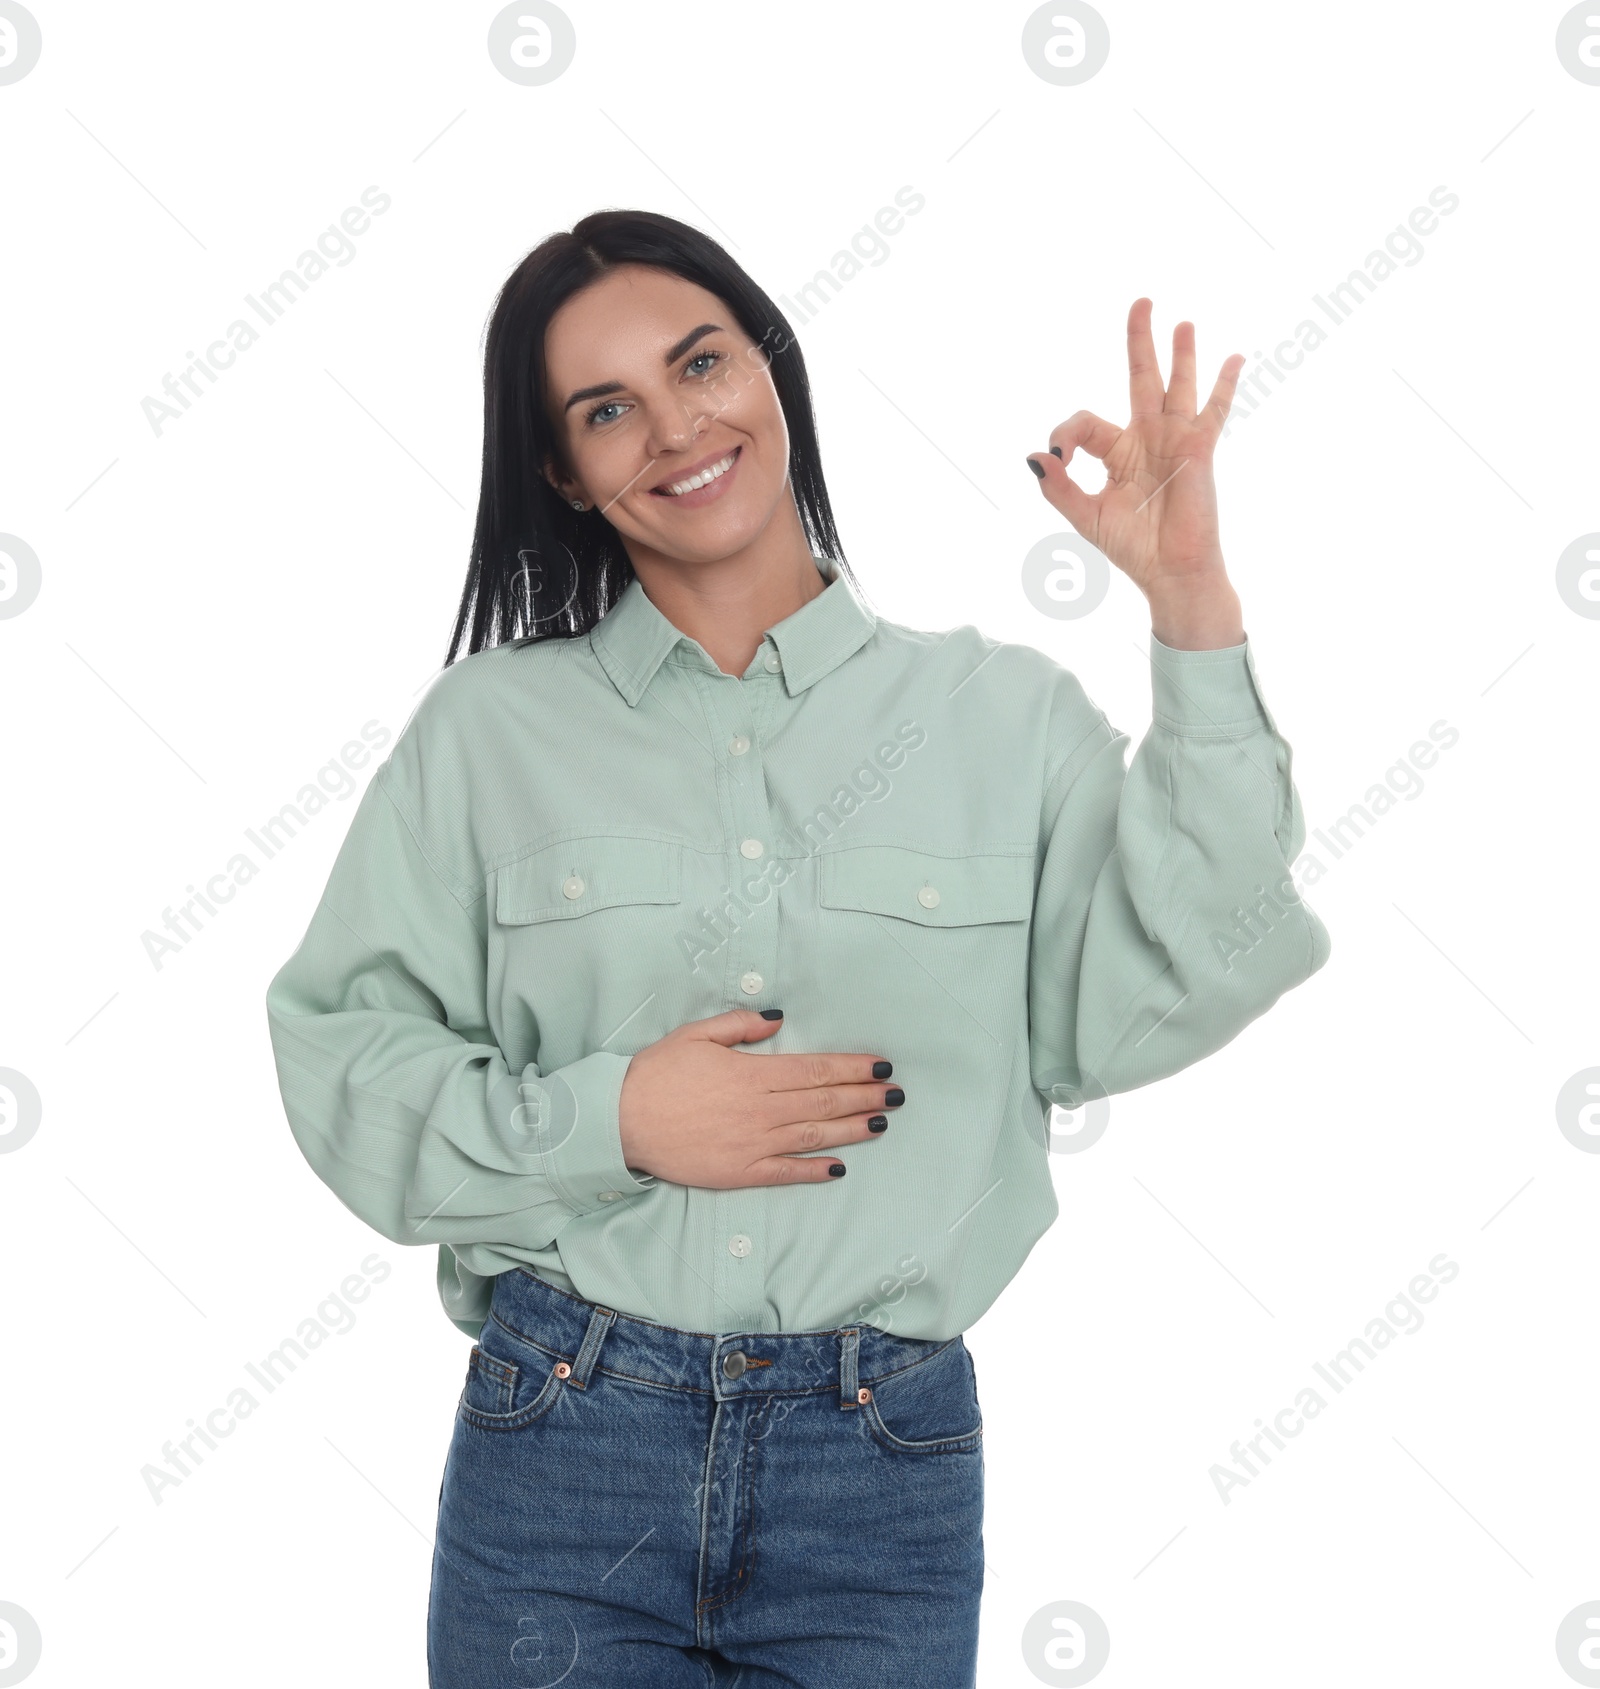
<point>928,897</point>
<point>572,886</point>
<point>774,662</point>
<point>751,983</point>
<point>751,848</point>
<point>738,744</point>
<point>609,1196</point>
<point>738,1244</point>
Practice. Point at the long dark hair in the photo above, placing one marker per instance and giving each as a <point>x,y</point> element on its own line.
<point>540,569</point>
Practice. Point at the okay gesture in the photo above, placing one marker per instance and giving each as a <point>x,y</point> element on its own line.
<point>1156,516</point>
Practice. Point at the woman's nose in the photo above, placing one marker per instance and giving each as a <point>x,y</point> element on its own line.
<point>678,426</point>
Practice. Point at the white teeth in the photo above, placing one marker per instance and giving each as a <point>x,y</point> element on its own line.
<point>678,488</point>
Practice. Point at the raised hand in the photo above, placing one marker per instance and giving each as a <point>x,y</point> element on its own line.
<point>1156,516</point>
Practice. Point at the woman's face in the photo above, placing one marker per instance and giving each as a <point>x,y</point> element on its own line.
<point>653,383</point>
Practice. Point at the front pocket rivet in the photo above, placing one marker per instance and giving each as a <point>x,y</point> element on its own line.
<point>863,1395</point>
<point>563,1370</point>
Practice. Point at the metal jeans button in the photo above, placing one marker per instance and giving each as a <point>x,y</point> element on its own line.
<point>733,1365</point>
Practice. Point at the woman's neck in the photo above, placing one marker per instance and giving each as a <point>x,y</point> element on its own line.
<point>729,604</point>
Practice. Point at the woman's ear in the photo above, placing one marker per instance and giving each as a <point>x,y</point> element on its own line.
<point>568,489</point>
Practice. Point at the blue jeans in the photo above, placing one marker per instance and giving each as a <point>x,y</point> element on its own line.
<point>629,1504</point>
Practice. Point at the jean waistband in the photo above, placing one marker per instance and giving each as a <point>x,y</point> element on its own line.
<point>590,1338</point>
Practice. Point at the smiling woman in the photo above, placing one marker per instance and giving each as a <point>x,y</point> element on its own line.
<point>719,1421</point>
<point>627,359</point>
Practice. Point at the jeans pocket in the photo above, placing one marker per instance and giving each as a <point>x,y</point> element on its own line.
<point>929,1407</point>
<point>504,1395</point>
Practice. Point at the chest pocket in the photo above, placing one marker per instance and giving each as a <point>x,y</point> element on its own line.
<point>575,877</point>
<point>933,891</point>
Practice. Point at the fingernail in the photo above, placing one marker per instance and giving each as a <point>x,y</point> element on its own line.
<point>878,1123</point>
<point>882,1069</point>
<point>1055,451</point>
<point>772,1014</point>
<point>1036,467</point>
<point>893,1097</point>
<point>836,1171</point>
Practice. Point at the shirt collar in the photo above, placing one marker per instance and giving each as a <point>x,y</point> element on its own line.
<point>633,639</point>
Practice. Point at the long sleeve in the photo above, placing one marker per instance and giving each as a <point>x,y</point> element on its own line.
<point>1165,918</point>
<point>395,1088</point>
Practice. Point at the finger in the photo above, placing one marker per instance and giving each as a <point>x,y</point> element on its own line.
<point>1066,495</point>
<point>1086,431</point>
<point>803,1135</point>
<point>1096,436</point>
<point>1221,400</point>
<point>1145,391</point>
<point>733,1026</point>
<point>793,1170</point>
<point>815,1070</point>
<point>826,1102</point>
<point>1180,390</point>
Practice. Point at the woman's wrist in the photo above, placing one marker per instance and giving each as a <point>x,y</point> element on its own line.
<point>1197,615</point>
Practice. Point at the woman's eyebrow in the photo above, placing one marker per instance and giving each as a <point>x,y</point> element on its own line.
<point>671,356</point>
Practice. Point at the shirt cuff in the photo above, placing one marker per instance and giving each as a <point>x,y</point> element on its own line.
<point>572,1118</point>
<point>1207,694</point>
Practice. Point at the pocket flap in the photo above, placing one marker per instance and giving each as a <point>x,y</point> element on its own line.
<point>934,891</point>
<point>577,876</point>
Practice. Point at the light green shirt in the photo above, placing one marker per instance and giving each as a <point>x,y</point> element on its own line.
<point>922,846</point>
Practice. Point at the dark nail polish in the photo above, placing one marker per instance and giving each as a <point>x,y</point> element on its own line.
<point>836,1171</point>
<point>772,1014</point>
<point>1055,451</point>
<point>893,1097</point>
<point>878,1123</point>
<point>1037,468</point>
<point>882,1069</point>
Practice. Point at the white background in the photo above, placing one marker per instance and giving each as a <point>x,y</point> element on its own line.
<point>223,606</point>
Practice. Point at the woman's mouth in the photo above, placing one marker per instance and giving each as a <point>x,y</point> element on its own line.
<point>709,482</point>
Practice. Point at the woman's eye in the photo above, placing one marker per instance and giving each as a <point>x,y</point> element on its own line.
<point>598,414</point>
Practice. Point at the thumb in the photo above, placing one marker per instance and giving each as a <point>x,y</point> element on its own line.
<point>739,1026</point>
<point>1063,492</point>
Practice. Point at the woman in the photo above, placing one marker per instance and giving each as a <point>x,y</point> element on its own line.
<point>686,802</point>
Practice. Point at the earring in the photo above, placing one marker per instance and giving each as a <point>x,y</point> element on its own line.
<point>577,504</point>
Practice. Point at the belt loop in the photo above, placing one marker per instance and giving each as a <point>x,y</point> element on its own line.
<point>600,1322</point>
<point>847,1367</point>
